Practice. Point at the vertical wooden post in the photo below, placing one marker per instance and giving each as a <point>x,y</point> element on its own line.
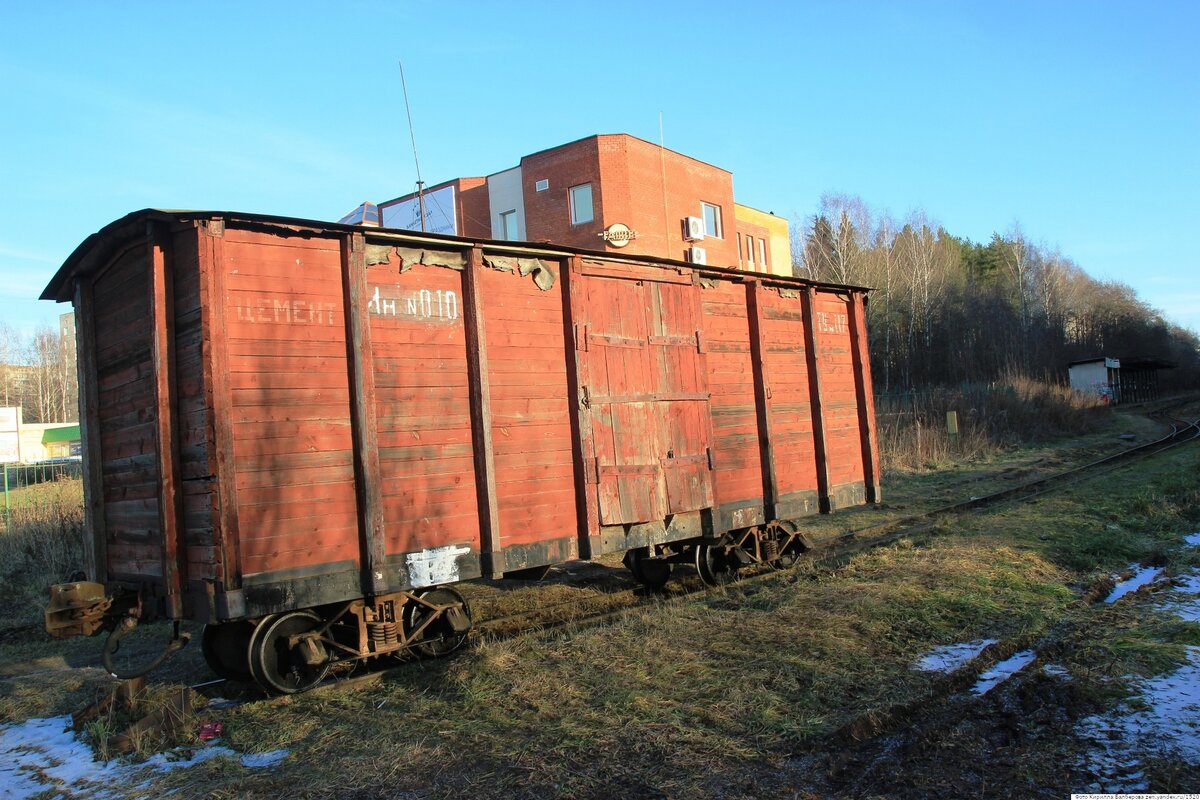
<point>218,400</point>
<point>95,541</point>
<point>808,300</point>
<point>865,395</point>
<point>762,397</point>
<point>361,363</point>
<point>575,323</point>
<point>166,428</point>
<point>479,385</point>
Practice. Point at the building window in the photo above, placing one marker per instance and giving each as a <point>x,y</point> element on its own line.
<point>712,220</point>
<point>508,225</point>
<point>762,253</point>
<point>739,237</point>
<point>542,185</point>
<point>581,204</point>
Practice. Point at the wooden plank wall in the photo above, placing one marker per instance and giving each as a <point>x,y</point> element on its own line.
<point>286,341</point>
<point>197,481</point>
<point>831,327</point>
<point>126,418</point>
<point>738,473</point>
<point>531,427</point>
<point>785,357</point>
<point>423,411</point>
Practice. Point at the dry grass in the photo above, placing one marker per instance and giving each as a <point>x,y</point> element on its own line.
<point>41,545</point>
<point>713,695</point>
<point>1018,410</point>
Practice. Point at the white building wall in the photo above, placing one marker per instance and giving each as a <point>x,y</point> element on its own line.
<point>505,193</point>
<point>1091,379</point>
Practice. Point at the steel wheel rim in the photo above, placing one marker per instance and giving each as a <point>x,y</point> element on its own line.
<point>713,566</point>
<point>278,668</point>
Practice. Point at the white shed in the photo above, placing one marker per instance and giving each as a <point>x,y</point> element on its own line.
<point>1096,377</point>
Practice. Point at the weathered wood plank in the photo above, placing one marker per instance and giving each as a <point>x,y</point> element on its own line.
<point>361,362</point>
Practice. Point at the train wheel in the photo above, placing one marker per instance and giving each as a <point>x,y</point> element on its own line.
<point>226,647</point>
<point>284,667</point>
<point>448,631</point>
<point>714,565</point>
<point>653,573</point>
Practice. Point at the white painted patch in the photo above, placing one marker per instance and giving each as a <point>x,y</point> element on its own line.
<point>44,756</point>
<point>950,657</point>
<point>431,567</point>
<point>1143,576</point>
<point>1003,671</point>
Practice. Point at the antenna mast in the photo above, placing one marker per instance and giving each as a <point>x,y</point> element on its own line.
<point>413,137</point>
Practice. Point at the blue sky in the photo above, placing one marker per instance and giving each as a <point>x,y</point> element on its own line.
<point>1079,120</point>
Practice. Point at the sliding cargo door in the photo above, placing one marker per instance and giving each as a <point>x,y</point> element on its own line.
<point>645,396</point>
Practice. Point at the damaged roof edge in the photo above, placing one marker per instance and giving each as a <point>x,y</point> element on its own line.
<point>96,249</point>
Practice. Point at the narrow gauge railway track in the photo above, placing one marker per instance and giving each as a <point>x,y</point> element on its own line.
<point>831,554</point>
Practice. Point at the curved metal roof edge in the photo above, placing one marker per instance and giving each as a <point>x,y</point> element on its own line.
<point>96,246</point>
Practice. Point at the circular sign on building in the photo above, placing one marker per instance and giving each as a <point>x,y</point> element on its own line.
<point>618,234</point>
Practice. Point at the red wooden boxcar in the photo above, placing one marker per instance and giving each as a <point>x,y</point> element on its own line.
<point>293,429</point>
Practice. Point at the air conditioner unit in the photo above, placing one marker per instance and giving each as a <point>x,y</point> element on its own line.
<point>697,255</point>
<point>693,229</point>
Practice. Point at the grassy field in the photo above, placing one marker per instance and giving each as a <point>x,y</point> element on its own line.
<point>41,543</point>
<point>779,686</point>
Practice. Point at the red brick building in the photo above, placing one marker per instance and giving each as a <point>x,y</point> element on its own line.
<point>606,192</point>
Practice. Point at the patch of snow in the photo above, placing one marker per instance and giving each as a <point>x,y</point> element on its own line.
<point>45,756</point>
<point>222,703</point>
<point>1168,724</point>
<point>1192,540</point>
<point>950,657</point>
<point>1057,671</point>
<point>1143,576</point>
<point>1184,598</point>
<point>1003,671</point>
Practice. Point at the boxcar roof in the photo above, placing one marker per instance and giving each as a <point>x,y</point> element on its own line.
<point>94,251</point>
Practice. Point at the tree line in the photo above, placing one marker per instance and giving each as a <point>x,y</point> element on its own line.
<point>37,374</point>
<point>946,310</point>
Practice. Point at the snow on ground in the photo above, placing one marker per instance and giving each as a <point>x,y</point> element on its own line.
<point>1141,577</point>
<point>950,657</point>
<point>45,755</point>
<point>1163,717</point>
<point>1002,671</point>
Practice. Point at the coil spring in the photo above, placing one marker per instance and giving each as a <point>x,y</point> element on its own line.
<point>383,633</point>
<point>770,549</point>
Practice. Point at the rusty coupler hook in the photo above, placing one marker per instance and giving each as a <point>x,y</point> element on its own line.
<point>124,628</point>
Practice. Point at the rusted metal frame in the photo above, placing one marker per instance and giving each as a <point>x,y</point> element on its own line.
<point>166,417</point>
<point>95,541</point>
<point>762,397</point>
<point>587,480</point>
<point>808,299</point>
<point>361,364</point>
<point>864,395</point>
<point>218,399</point>
<point>491,553</point>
